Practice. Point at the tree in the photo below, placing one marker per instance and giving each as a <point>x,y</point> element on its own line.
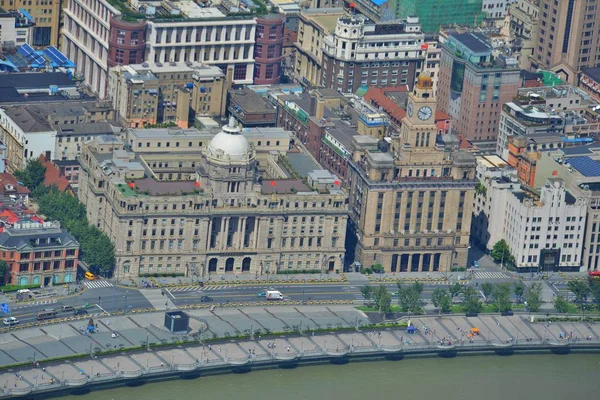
<point>533,297</point>
<point>581,290</point>
<point>441,300</point>
<point>519,289</point>
<point>487,289</point>
<point>409,297</point>
<point>383,299</point>
<point>367,292</point>
<point>501,297</point>
<point>480,189</point>
<point>33,174</point>
<point>561,304</point>
<point>455,289</point>
<point>471,303</point>
<point>595,291</point>
<point>3,268</point>
<point>501,253</point>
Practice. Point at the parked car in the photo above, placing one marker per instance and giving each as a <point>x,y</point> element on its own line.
<point>262,294</point>
<point>67,309</point>
<point>10,321</point>
<point>80,311</point>
<point>206,299</point>
<point>475,264</point>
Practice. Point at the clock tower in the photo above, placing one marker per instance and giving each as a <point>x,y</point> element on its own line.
<point>419,130</point>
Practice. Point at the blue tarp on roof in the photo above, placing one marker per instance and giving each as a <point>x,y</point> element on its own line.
<point>379,2</point>
<point>26,14</point>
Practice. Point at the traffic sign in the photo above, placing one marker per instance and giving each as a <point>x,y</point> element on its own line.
<point>5,308</point>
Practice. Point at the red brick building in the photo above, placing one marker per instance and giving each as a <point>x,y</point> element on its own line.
<point>39,254</point>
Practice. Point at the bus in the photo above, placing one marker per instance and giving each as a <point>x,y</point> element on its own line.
<point>46,314</point>
<point>594,274</point>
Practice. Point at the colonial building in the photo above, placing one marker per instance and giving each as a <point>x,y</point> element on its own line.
<point>39,254</point>
<point>411,206</point>
<point>210,211</point>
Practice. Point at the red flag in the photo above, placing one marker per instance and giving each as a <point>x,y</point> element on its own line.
<point>131,185</point>
<point>554,173</point>
<point>352,5</point>
<point>273,183</point>
<point>197,184</point>
<point>424,46</point>
<point>337,183</point>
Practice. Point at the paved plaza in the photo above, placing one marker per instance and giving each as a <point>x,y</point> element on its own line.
<point>431,334</point>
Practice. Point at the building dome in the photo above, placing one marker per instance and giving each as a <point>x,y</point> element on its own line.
<point>230,145</point>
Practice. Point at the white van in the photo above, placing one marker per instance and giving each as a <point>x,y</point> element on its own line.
<point>274,295</point>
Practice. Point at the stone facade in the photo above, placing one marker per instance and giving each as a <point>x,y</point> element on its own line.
<point>219,216</point>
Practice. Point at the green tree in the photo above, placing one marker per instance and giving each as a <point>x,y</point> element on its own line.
<point>480,189</point>
<point>441,300</point>
<point>595,291</point>
<point>367,292</point>
<point>581,290</point>
<point>519,289</point>
<point>501,297</point>
<point>471,303</point>
<point>33,174</point>
<point>383,299</point>
<point>501,253</point>
<point>561,304</point>
<point>456,289</point>
<point>97,251</point>
<point>487,289</point>
<point>3,268</point>
<point>533,297</point>
<point>409,297</point>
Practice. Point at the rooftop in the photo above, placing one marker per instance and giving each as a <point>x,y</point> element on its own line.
<point>586,165</point>
<point>36,236</point>
<point>90,128</point>
<point>284,186</point>
<point>250,102</point>
<point>326,18</point>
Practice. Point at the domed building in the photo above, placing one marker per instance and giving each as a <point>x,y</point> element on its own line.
<point>195,203</point>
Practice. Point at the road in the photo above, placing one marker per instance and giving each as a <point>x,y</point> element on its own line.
<point>110,298</point>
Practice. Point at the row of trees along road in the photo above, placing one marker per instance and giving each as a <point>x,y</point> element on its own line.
<point>410,298</point>
<point>97,251</point>
<point>582,292</point>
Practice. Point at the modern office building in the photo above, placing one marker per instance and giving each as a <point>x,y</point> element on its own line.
<point>98,36</point>
<point>204,208</point>
<point>475,81</point>
<point>411,206</point>
<point>568,37</point>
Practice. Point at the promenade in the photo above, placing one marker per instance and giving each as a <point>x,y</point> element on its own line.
<point>282,335</point>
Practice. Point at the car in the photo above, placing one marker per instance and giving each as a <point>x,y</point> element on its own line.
<point>475,264</point>
<point>80,311</point>
<point>67,309</point>
<point>23,291</point>
<point>206,299</point>
<point>262,294</point>
<point>395,294</point>
<point>10,321</point>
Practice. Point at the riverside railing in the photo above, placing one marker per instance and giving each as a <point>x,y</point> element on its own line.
<point>321,352</point>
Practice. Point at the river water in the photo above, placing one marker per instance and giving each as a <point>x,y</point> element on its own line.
<point>528,377</point>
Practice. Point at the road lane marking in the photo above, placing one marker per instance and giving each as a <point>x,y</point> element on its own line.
<point>103,310</point>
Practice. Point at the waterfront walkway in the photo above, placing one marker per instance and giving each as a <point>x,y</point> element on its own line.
<point>145,332</point>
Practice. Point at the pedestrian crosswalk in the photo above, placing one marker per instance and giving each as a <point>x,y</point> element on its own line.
<point>200,288</point>
<point>491,275</point>
<point>97,284</point>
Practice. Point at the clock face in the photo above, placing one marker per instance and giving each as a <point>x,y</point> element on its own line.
<point>409,110</point>
<point>424,113</point>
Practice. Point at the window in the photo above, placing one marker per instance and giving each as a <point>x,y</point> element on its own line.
<point>256,70</point>
<point>132,56</point>
<point>119,54</point>
<point>258,50</point>
<point>271,51</point>
<point>269,71</point>
<point>134,38</point>
<point>120,36</point>
<point>239,72</point>
<point>273,32</point>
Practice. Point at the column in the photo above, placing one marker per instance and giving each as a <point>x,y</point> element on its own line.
<point>207,223</point>
<point>421,263</point>
<point>223,235</point>
<point>256,229</point>
<point>242,230</point>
